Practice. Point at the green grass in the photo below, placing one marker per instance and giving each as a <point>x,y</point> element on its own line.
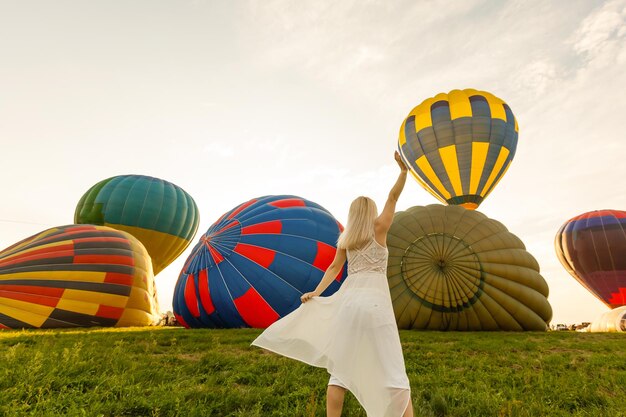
<point>177,372</point>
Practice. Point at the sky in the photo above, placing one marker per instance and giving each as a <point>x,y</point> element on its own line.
<point>236,99</point>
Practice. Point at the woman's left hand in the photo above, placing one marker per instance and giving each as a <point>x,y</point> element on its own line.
<point>400,162</point>
<point>307,296</point>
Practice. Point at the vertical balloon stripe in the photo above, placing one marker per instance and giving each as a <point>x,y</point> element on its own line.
<point>427,170</point>
<point>422,113</point>
<point>510,118</point>
<point>402,134</point>
<point>190,296</point>
<point>412,147</point>
<point>504,152</point>
<point>451,164</point>
<point>204,292</point>
<point>459,104</point>
<point>217,257</point>
<point>495,105</point>
<point>479,156</point>
<point>254,310</point>
<point>324,257</point>
<point>504,170</point>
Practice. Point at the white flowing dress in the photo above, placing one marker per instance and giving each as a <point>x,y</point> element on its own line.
<point>353,334</point>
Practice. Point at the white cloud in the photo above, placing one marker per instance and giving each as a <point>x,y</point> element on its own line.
<point>602,29</point>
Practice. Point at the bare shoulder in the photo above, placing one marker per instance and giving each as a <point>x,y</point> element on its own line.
<point>380,232</point>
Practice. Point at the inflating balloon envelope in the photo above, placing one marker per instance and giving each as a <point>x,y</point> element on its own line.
<point>455,269</point>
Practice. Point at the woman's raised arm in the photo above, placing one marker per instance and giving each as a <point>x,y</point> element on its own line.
<point>383,222</point>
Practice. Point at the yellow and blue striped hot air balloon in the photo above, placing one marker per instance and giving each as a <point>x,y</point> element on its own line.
<point>459,145</point>
<point>160,214</point>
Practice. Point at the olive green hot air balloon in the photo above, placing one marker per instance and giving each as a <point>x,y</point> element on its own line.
<point>451,268</point>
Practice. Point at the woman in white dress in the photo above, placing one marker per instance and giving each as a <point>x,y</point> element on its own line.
<point>353,333</point>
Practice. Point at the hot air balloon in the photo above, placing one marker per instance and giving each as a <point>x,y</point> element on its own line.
<point>610,321</point>
<point>253,264</point>
<point>455,269</point>
<point>459,145</point>
<point>592,247</point>
<point>77,276</point>
<point>158,213</point>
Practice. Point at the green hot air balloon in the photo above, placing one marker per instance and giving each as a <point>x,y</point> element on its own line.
<point>451,268</point>
<point>158,213</point>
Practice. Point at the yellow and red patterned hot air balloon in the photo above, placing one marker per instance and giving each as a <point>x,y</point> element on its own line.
<point>77,276</point>
<point>459,145</point>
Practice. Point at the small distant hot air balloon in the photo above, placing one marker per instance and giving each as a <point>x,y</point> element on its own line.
<point>77,276</point>
<point>253,264</point>
<point>592,247</point>
<point>455,269</point>
<point>459,145</point>
<point>158,213</point>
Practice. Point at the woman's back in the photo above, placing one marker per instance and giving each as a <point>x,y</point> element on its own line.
<point>370,258</point>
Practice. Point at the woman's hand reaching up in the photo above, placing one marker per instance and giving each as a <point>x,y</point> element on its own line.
<point>400,162</point>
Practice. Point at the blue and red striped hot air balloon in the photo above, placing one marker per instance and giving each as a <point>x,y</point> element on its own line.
<point>253,264</point>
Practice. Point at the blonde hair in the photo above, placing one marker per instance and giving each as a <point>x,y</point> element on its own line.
<point>360,228</point>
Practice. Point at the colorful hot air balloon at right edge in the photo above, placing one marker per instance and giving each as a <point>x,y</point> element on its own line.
<point>459,145</point>
<point>592,247</point>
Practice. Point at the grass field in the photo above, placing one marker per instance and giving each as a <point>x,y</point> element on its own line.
<point>177,372</point>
